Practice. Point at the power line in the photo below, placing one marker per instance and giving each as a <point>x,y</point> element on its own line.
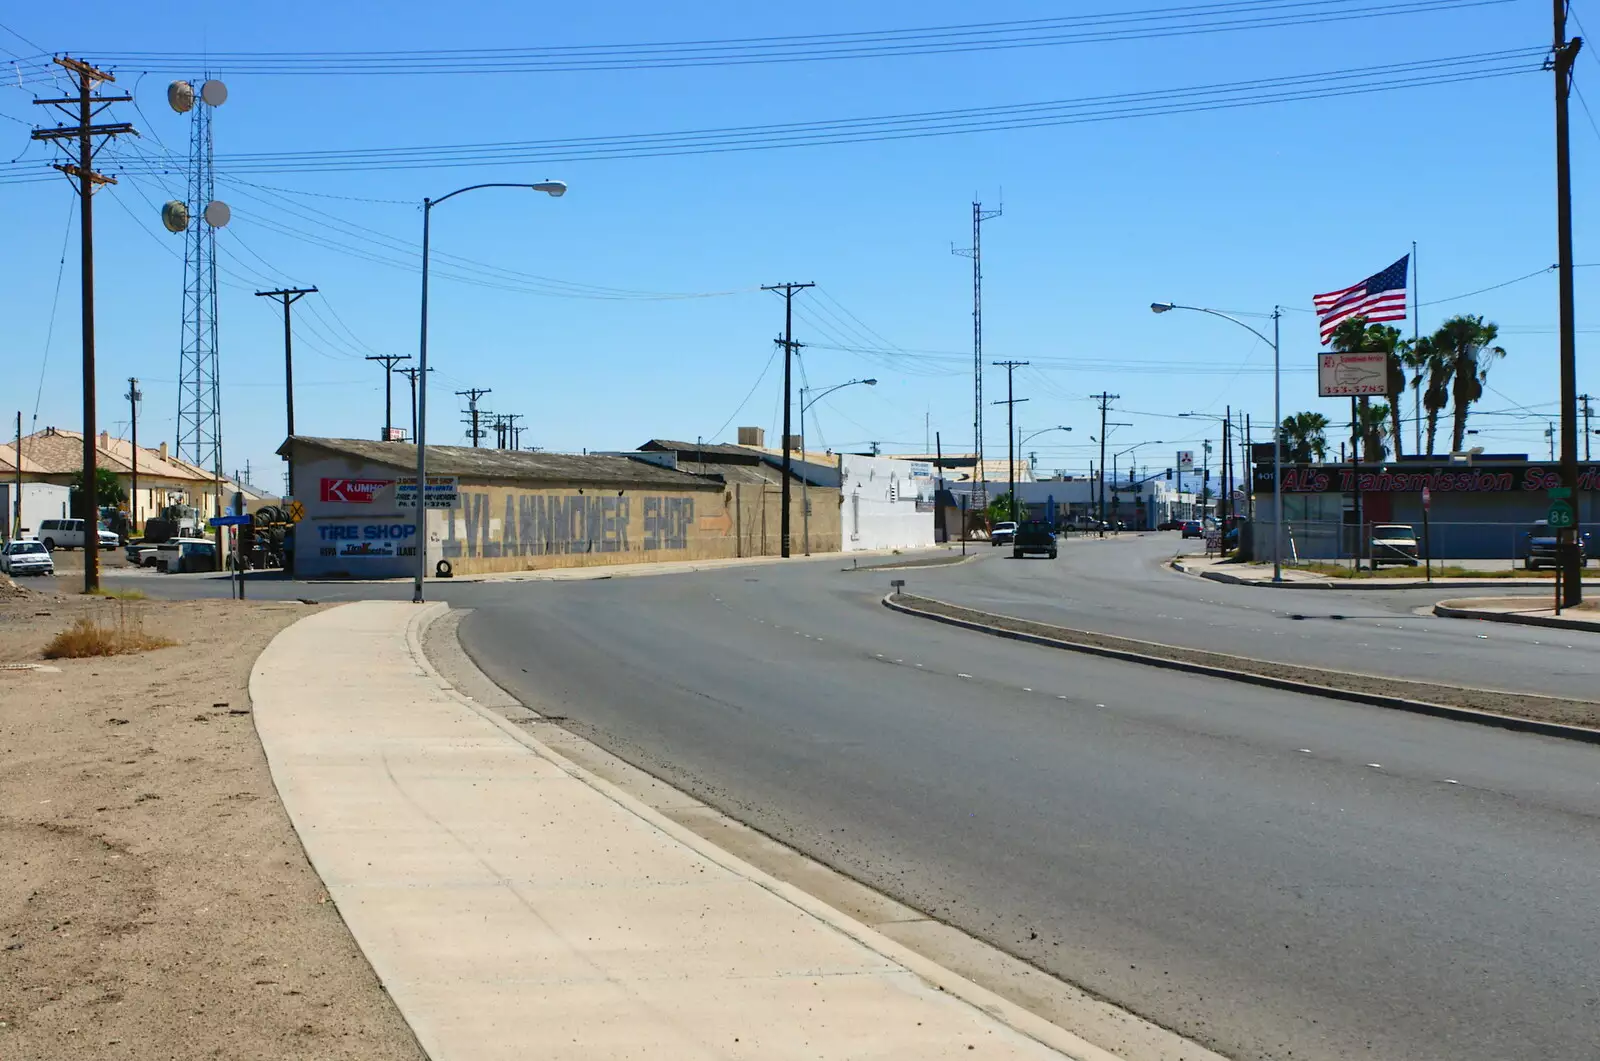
<point>1097,28</point>
<point>1080,110</point>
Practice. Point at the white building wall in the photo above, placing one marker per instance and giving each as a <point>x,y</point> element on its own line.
<point>40,501</point>
<point>887,503</point>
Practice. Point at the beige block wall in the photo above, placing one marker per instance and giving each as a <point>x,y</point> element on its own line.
<point>758,518</point>
<point>498,528</point>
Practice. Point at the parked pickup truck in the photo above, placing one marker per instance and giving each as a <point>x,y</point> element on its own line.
<point>1034,536</point>
<point>1540,548</point>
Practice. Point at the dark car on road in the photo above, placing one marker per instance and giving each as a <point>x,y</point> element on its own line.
<point>1034,536</point>
<point>1539,548</point>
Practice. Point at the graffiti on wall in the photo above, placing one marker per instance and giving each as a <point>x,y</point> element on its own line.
<point>549,525</point>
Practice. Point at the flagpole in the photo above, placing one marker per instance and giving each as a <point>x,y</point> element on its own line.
<point>1416,332</point>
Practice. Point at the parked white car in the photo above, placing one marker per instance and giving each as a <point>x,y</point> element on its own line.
<point>26,556</point>
<point>68,534</point>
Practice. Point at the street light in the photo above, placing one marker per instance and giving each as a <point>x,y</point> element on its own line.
<point>805,481</point>
<point>554,189</point>
<point>1277,420</point>
<point>1041,431</point>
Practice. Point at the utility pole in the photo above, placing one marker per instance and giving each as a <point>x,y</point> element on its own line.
<point>1105,401</point>
<point>980,497</point>
<point>134,396</point>
<point>388,361</point>
<point>472,394</point>
<point>789,345</point>
<point>1011,430</point>
<point>16,501</point>
<point>1563,55</point>
<point>82,172</point>
<point>411,375</point>
<point>513,432</point>
<point>1550,437</point>
<point>288,296</point>
<point>1586,399</point>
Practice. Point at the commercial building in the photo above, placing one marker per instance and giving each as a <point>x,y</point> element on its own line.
<point>509,510</point>
<point>1479,508</point>
<point>1072,501</point>
<point>753,475</point>
<point>888,503</point>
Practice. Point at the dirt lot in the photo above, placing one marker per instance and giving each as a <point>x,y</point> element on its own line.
<point>154,901</point>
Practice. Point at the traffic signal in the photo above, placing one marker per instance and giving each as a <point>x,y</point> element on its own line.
<point>1169,475</point>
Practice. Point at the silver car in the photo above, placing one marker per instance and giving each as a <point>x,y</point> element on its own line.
<point>26,556</point>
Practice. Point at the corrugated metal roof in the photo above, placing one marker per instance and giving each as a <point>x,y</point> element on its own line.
<point>510,464</point>
<point>716,449</point>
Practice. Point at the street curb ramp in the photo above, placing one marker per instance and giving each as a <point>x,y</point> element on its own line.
<point>1455,609</point>
<point>1009,627</point>
<point>1229,578</point>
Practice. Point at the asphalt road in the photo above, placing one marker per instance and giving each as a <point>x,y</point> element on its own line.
<point>1276,876</point>
<point>1122,586</point>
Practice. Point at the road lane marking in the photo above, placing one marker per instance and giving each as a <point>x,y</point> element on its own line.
<point>1376,766</point>
<point>963,675</point>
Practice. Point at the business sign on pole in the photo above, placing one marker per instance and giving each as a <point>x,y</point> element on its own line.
<point>441,493</point>
<point>1352,375</point>
<point>352,491</point>
<point>1427,498</point>
<point>1186,460</point>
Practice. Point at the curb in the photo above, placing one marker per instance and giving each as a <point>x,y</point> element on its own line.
<point>1398,703</point>
<point>944,980</point>
<point>1449,610</point>
<point>1390,584</point>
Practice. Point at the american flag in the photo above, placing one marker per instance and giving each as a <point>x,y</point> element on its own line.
<point>1380,297</point>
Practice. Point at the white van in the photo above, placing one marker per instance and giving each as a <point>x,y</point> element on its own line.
<point>68,534</point>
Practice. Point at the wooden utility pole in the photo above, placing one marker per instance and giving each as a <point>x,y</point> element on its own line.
<point>82,108</point>
<point>288,296</point>
<point>1011,430</point>
<point>788,344</point>
<point>1564,54</point>
<point>133,396</point>
<point>388,361</point>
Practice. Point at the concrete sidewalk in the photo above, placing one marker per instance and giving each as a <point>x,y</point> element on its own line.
<point>1237,574</point>
<point>1529,611</point>
<point>516,906</point>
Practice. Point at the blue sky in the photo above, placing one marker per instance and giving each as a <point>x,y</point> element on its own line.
<point>1236,209</point>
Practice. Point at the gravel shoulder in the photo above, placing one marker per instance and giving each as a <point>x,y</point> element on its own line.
<point>155,902</point>
<point>1558,710</point>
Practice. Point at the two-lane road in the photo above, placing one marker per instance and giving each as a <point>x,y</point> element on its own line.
<point>1277,876</point>
<point>1123,586</point>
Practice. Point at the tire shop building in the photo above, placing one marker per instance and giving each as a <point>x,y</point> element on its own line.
<point>511,511</point>
<point>1479,509</point>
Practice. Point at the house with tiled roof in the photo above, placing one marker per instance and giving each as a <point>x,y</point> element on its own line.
<point>55,455</point>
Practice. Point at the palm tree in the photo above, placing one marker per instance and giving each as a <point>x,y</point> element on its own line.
<point>1375,427</point>
<point>1383,339</point>
<point>1433,364</point>
<point>1465,341</point>
<point>1354,336</point>
<point>1420,357</point>
<point>1303,437</point>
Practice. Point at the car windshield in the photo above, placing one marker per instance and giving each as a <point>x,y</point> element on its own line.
<point>18,548</point>
<point>1389,531</point>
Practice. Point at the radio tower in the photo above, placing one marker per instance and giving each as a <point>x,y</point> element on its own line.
<point>199,401</point>
<point>980,485</point>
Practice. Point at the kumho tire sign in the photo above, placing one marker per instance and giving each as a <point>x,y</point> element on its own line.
<point>353,491</point>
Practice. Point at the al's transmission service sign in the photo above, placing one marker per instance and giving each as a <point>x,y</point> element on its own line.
<point>1352,375</point>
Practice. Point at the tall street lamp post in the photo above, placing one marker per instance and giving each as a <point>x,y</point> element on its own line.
<point>555,189</point>
<point>805,481</point>
<point>1277,420</point>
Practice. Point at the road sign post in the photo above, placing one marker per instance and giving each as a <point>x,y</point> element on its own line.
<point>1427,538</point>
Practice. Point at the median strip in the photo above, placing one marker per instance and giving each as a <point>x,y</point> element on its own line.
<point>1524,712</point>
